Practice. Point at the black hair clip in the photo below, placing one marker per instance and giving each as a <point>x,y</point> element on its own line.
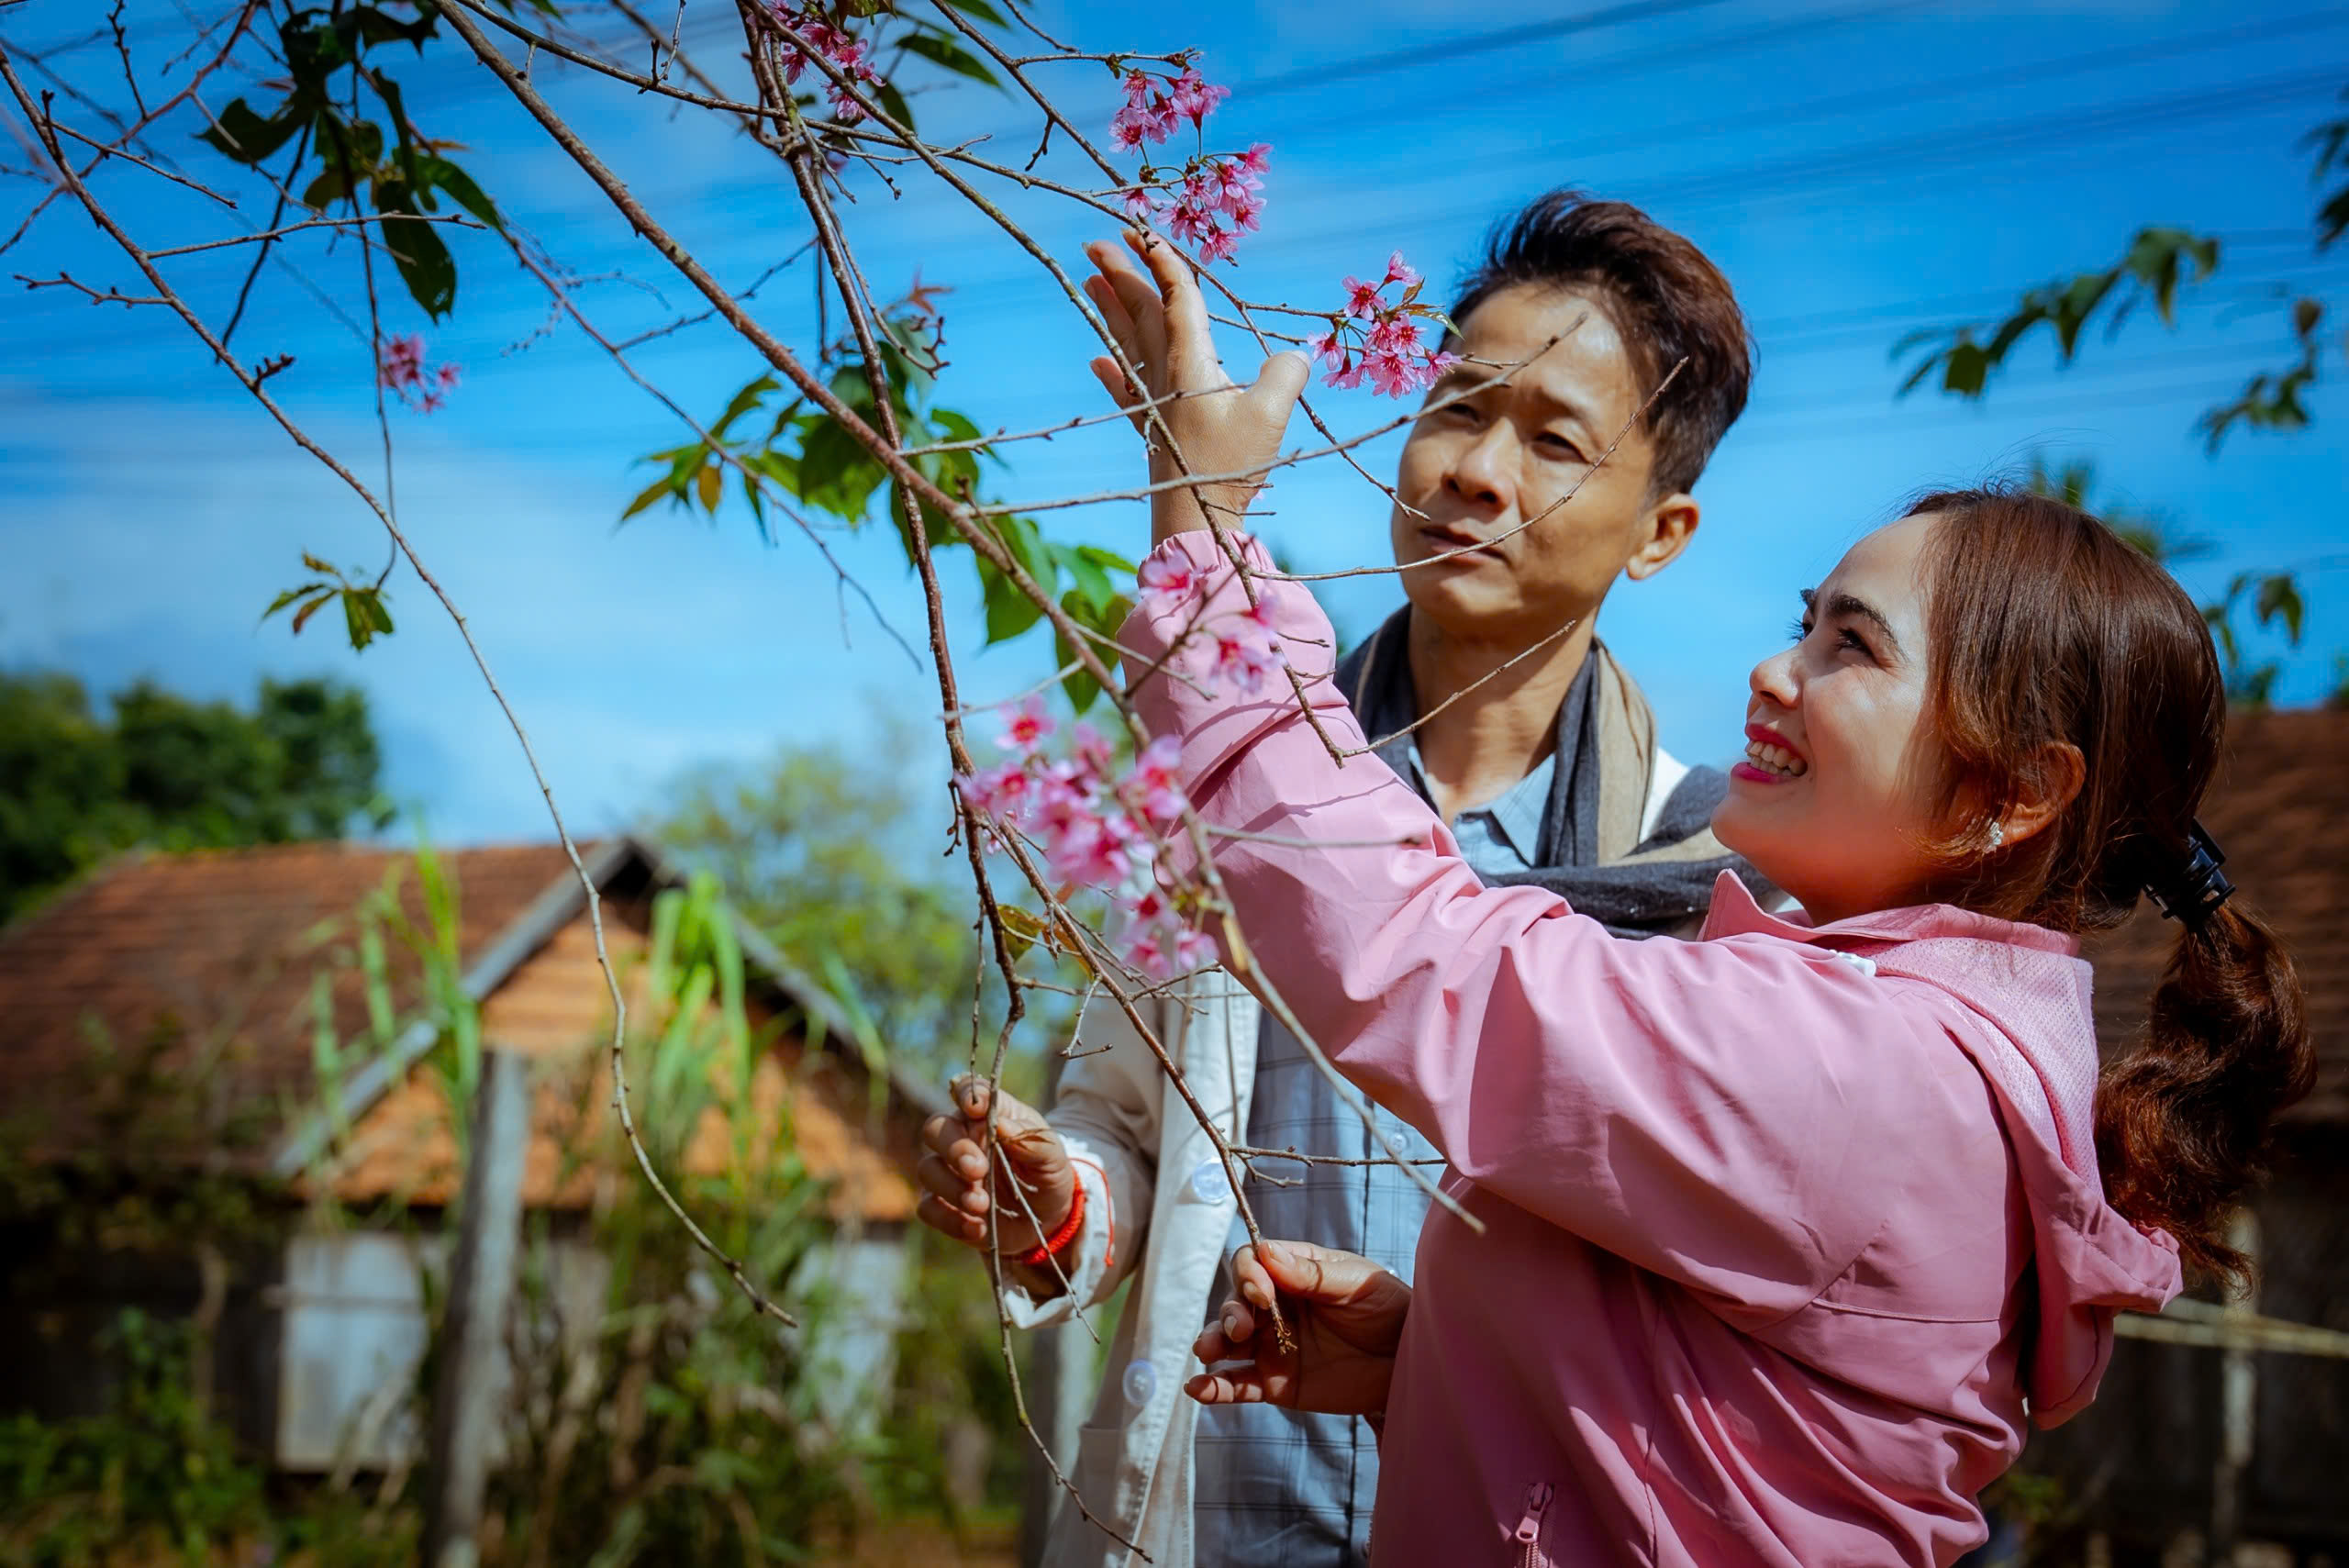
<point>2198,886</point>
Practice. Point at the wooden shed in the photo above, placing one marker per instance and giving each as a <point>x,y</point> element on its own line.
<point>206,974</point>
<point>2229,1421</point>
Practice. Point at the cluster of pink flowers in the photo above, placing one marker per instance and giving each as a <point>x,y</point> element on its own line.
<point>1377,342</point>
<point>1153,114</point>
<point>851,57</point>
<point>1241,648</point>
<point>400,369</point>
<point>1097,829</point>
<point>1214,198</point>
<point>1211,204</point>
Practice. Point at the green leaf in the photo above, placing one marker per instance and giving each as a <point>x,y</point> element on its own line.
<point>377,26</point>
<point>941,51</point>
<point>983,11</point>
<point>1026,542</point>
<point>750,397</point>
<point>836,474</point>
<point>710,484</point>
<point>425,264</point>
<point>2279,598</point>
<point>247,137</point>
<point>302,615</point>
<point>355,617</point>
<point>291,595</point>
<point>1093,586</point>
<point>1009,611</point>
<point>1082,688</point>
<point>893,103</point>
<point>646,496</point>
<point>437,171</point>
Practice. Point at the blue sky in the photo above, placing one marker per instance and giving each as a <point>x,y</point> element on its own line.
<point>1858,167</point>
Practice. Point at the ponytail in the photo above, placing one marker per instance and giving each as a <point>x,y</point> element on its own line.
<point>2121,670</point>
<point>2182,1119</point>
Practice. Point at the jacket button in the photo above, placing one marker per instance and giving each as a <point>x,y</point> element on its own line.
<point>1209,1183</point>
<point>1140,1382</point>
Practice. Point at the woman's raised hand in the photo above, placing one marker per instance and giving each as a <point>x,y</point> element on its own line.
<point>1218,427</point>
<point>1344,1311</point>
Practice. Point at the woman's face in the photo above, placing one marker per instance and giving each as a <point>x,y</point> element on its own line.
<point>1838,798</point>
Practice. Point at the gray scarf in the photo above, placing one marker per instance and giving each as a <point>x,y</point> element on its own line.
<point>1591,852</point>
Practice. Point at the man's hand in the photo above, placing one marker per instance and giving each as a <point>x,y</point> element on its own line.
<point>1346,1314</point>
<point>1160,324</point>
<point>959,1191</point>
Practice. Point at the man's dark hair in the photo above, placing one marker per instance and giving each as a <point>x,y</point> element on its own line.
<point>1668,302</point>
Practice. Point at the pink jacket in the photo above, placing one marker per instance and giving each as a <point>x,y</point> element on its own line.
<point>1788,1231</point>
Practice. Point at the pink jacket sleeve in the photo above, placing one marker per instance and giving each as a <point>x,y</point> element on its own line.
<point>1711,1112</point>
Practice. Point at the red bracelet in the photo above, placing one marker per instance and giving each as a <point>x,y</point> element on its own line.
<point>1053,1246</point>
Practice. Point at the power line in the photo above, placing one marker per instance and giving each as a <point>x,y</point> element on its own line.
<point>1699,189</point>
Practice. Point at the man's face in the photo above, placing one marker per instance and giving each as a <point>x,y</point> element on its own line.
<point>1477,469</point>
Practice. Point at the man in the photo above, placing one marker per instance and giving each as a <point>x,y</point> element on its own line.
<point>1540,752</point>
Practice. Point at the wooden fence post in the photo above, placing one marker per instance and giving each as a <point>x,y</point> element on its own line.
<point>466,1391</point>
<point>2238,1404</point>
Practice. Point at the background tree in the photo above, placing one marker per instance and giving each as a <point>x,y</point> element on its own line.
<point>2158,260</point>
<point>815,847</point>
<point>2156,263</point>
<point>163,770</point>
<point>2271,598</point>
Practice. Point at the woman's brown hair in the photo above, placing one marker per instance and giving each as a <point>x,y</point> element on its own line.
<point>2049,629</point>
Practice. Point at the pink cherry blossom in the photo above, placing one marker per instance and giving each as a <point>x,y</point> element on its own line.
<point>1153,789</point>
<point>1233,179</point>
<point>1149,954</point>
<point>1245,209</point>
<point>1026,726</point>
<point>1362,298</point>
<point>1002,792</point>
<point>1193,949</point>
<point>1241,662</point>
<point>1257,158</point>
<point>1138,88</point>
<point>1094,851</point>
<point>1142,204</point>
<point>399,363</point>
<point>401,370</point>
<point>1128,129</point>
<point>1193,96</point>
<point>1189,225</point>
<point>1400,272</point>
<point>1391,374</point>
<point>1261,614</point>
<point>1220,245</point>
<point>1395,333</point>
<point>1167,581</point>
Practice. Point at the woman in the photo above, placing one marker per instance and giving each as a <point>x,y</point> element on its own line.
<point>1788,1233</point>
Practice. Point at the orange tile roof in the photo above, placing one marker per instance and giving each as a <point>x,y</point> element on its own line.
<point>2279,809</point>
<point>202,964</point>
<point>206,961</point>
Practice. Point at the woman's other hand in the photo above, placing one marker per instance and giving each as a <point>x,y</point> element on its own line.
<point>1218,427</point>
<point>1033,1175</point>
<point>1345,1312</point>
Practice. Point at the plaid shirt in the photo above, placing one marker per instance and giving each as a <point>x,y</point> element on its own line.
<point>1279,1487</point>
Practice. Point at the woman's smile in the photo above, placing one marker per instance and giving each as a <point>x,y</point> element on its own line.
<point>1770,757</point>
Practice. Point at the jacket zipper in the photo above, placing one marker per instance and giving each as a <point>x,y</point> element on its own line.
<point>1528,1529</point>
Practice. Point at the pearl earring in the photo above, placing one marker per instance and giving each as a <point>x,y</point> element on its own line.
<point>1998,834</point>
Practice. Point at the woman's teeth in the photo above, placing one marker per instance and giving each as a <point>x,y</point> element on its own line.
<point>1776,759</point>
